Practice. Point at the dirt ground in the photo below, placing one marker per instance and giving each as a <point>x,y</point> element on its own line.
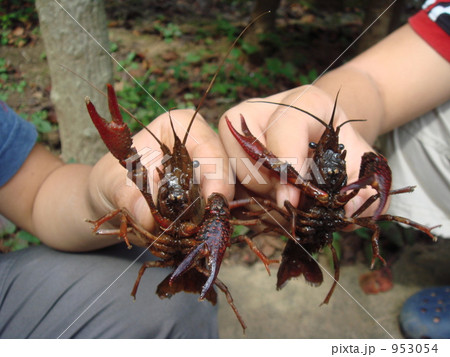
<point>295,311</point>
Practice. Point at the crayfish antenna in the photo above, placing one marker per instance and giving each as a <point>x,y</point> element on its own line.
<point>293,107</point>
<point>173,128</point>
<point>330,124</point>
<point>334,111</point>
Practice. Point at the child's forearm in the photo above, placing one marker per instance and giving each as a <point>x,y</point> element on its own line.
<point>395,81</point>
<point>61,208</point>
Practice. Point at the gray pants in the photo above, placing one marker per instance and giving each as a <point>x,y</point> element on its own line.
<point>48,294</point>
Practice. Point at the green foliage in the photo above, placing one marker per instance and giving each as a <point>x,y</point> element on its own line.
<point>3,69</point>
<point>113,47</point>
<point>128,63</point>
<point>194,57</point>
<point>277,68</point>
<point>137,101</point>
<point>6,85</point>
<point>392,231</point>
<point>310,77</point>
<point>14,238</point>
<point>248,48</point>
<point>168,31</point>
<point>27,237</point>
<point>6,227</point>
<point>396,234</point>
<point>193,70</point>
<point>225,27</point>
<point>39,119</point>
<point>14,13</point>
<point>363,233</point>
<point>240,230</point>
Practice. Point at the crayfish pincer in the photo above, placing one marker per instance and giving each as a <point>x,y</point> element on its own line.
<point>191,237</point>
<point>320,211</point>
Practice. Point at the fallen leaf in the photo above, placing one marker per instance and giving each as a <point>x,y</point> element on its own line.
<point>18,31</point>
<point>377,281</point>
<point>169,56</point>
<point>118,86</point>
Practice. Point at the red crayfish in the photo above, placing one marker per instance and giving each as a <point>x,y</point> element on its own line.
<point>192,237</point>
<point>320,211</point>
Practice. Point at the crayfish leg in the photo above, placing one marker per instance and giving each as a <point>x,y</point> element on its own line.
<point>144,267</point>
<point>127,225</point>
<point>230,301</point>
<point>123,231</point>
<point>420,227</point>
<point>336,274</point>
<point>266,261</point>
<point>368,222</point>
<point>374,197</point>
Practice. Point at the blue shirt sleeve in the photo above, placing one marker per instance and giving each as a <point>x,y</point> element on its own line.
<point>17,138</point>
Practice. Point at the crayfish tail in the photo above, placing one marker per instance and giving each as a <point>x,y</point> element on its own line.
<point>296,260</point>
<point>192,281</point>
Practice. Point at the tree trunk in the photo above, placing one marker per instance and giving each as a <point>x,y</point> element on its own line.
<point>66,43</point>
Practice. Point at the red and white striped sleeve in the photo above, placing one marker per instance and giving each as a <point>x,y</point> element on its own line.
<point>432,23</point>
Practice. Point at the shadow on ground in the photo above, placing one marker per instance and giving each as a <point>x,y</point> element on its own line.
<point>294,312</point>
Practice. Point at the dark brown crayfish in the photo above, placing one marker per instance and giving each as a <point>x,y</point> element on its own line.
<point>192,237</point>
<point>320,211</point>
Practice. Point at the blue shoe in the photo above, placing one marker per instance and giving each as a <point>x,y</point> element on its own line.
<point>427,314</point>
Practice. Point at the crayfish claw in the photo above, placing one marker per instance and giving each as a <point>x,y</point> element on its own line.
<point>186,264</point>
<point>251,145</point>
<point>214,235</point>
<point>214,256</point>
<point>116,135</point>
<point>374,172</point>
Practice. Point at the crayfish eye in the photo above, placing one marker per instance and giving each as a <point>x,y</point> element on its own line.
<point>341,147</point>
<point>312,145</point>
<point>176,198</point>
<point>195,163</point>
<point>172,197</point>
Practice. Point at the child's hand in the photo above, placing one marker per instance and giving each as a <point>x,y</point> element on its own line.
<point>287,132</point>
